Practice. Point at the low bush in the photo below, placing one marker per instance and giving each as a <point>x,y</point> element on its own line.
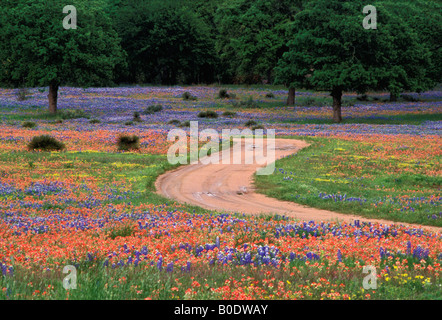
<point>29,124</point>
<point>229,114</point>
<point>249,103</point>
<point>223,94</point>
<point>128,142</point>
<point>251,123</point>
<point>137,117</point>
<point>94,121</point>
<point>208,114</point>
<point>22,94</point>
<point>45,143</point>
<point>72,114</point>
<point>124,230</point>
<point>184,124</point>
<point>409,98</point>
<point>187,96</point>
<point>258,127</point>
<point>174,122</point>
<point>153,108</point>
<point>362,97</point>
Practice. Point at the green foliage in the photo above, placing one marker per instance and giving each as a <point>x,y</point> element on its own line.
<point>208,114</point>
<point>409,98</point>
<point>174,122</point>
<point>252,37</point>
<point>251,123</point>
<point>249,103</point>
<point>94,121</point>
<point>165,42</point>
<point>45,143</point>
<point>128,142</point>
<point>330,50</point>
<point>72,114</point>
<point>36,51</point>
<point>153,108</point>
<point>29,124</point>
<point>187,96</point>
<point>223,94</point>
<point>184,124</point>
<point>312,102</point>
<point>229,114</point>
<point>120,230</point>
<point>257,127</point>
<point>22,94</point>
<point>137,117</point>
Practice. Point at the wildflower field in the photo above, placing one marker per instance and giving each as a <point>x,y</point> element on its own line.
<point>95,207</point>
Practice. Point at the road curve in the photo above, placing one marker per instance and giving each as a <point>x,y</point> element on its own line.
<point>229,187</point>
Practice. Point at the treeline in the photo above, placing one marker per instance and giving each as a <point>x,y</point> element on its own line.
<point>248,41</point>
<point>200,41</point>
<point>316,44</point>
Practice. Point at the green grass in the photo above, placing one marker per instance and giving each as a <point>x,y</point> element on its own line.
<point>410,119</point>
<point>326,167</point>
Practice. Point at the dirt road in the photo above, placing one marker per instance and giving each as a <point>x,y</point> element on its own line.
<point>229,187</point>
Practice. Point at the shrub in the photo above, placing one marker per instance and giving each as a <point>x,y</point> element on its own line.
<point>362,97</point>
<point>45,143</point>
<point>309,101</point>
<point>153,108</point>
<point>249,103</point>
<point>58,121</point>
<point>72,114</point>
<point>128,123</point>
<point>208,114</point>
<point>188,96</point>
<point>257,127</point>
<point>29,124</point>
<point>22,94</point>
<point>184,124</point>
<point>137,117</point>
<point>174,122</point>
<point>409,98</point>
<point>223,94</point>
<point>270,95</point>
<point>251,123</point>
<point>123,230</point>
<point>126,142</point>
<point>312,102</point>
<point>94,121</point>
<point>228,114</point>
<point>347,103</point>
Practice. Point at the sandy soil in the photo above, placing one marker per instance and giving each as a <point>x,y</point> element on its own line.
<point>229,187</point>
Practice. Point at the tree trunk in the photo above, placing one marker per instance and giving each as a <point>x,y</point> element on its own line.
<point>337,102</point>
<point>393,96</point>
<point>52,96</point>
<point>291,97</point>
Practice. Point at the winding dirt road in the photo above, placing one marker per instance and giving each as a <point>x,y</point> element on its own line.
<point>229,187</point>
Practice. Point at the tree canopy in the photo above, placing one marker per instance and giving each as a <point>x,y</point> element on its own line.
<point>35,49</point>
<point>330,50</point>
<point>319,44</point>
